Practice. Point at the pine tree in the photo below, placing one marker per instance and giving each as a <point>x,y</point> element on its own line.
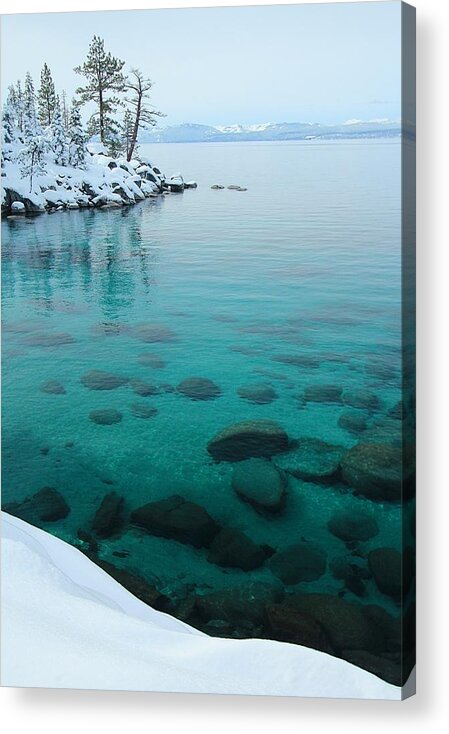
<point>144,114</point>
<point>105,80</point>
<point>16,96</point>
<point>65,110</point>
<point>29,107</point>
<point>8,124</point>
<point>77,139</point>
<point>46,98</point>
<point>8,132</point>
<point>58,137</point>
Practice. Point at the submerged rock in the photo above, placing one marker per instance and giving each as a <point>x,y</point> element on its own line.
<point>344,623</point>
<point>300,562</point>
<point>136,585</point>
<point>250,438</point>
<point>388,670</point>
<point>261,484</point>
<point>323,393</point>
<point>245,602</point>
<point>353,526</point>
<point>105,416</point>
<point>108,517</point>
<point>287,624</point>
<point>259,393</point>
<point>353,422</point>
<point>364,399</point>
<point>152,333</point>
<point>53,387</point>
<point>233,548</point>
<point>199,388</point>
<point>312,460</point>
<point>47,505</point>
<point>374,470</point>
<point>148,359</point>
<point>178,519</point>
<point>142,410</point>
<point>100,380</point>
<point>142,388</point>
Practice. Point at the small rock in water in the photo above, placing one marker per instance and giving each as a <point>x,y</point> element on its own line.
<point>199,388</point>
<point>261,484</point>
<point>312,460</point>
<point>259,393</point>
<point>100,380</point>
<point>52,387</point>
<point>105,416</point>
<point>107,520</point>
<point>153,333</point>
<point>323,393</point>
<point>251,438</point>
<point>233,548</point>
<point>148,359</point>
<point>142,388</point>
<point>300,562</point>
<point>376,470</point>
<point>179,519</point>
<point>356,525</point>
<point>217,186</point>
<point>361,399</point>
<point>142,410</point>
<point>47,505</point>
<point>353,422</point>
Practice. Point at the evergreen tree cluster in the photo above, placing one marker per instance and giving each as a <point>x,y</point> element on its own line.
<point>38,126</point>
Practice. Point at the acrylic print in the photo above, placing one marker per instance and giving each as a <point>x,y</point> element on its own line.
<point>208,350</point>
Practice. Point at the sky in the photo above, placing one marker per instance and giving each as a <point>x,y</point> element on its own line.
<point>282,63</point>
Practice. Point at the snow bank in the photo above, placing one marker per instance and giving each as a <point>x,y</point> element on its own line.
<point>67,624</point>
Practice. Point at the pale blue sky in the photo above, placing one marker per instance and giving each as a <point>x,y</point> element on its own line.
<point>325,63</point>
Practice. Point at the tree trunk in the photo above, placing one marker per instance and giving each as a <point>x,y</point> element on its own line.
<point>101,115</point>
<point>136,129</point>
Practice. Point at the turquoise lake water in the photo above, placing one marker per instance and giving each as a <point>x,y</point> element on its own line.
<point>305,262</point>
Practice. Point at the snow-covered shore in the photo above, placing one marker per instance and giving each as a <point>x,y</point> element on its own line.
<point>102,182</point>
<point>67,624</point>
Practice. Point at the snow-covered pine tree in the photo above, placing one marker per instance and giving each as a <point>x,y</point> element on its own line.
<point>31,158</point>
<point>15,97</point>
<point>8,132</point>
<point>58,136</point>
<point>46,97</point>
<point>65,109</point>
<point>77,139</point>
<point>103,73</point>
<point>29,107</point>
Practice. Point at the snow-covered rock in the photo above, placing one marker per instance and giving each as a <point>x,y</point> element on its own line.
<point>67,624</point>
<point>18,206</point>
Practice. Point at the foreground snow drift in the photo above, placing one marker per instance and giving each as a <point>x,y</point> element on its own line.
<point>67,624</point>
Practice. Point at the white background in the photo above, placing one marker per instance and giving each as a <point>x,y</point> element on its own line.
<point>82,712</point>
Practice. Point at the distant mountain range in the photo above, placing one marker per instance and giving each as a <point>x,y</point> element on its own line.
<point>194,133</point>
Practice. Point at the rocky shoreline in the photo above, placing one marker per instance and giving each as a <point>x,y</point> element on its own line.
<point>104,182</point>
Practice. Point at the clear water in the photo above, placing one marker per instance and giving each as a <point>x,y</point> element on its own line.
<point>306,261</point>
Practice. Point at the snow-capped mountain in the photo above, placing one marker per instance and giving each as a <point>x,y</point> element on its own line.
<point>197,133</point>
